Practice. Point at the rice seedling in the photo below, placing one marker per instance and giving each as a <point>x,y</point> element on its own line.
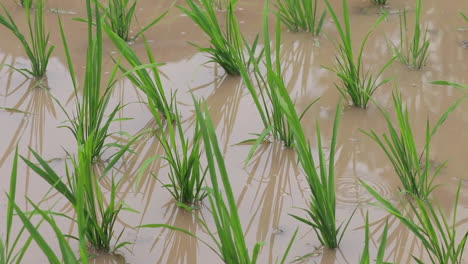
<point>299,15</point>
<point>356,83</point>
<point>365,257</point>
<point>438,235</point>
<point>379,2</point>
<point>321,178</point>
<point>230,244</point>
<point>411,166</point>
<point>266,98</point>
<point>227,46</point>
<point>37,48</point>
<point>223,4</point>
<point>412,50</point>
<point>119,18</point>
<point>91,121</point>
<point>186,174</point>
<point>148,82</point>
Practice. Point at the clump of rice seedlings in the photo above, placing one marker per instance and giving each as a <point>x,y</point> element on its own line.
<point>227,46</point>
<point>91,120</point>
<point>186,174</point>
<point>148,82</point>
<point>266,98</point>
<point>438,236</point>
<point>229,237</point>
<point>412,50</point>
<point>96,219</point>
<point>120,15</point>
<point>37,48</point>
<point>411,166</point>
<point>356,84</point>
<point>301,15</point>
<point>365,257</point>
<point>379,2</point>
<point>320,177</point>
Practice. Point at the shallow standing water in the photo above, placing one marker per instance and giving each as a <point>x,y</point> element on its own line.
<point>272,185</point>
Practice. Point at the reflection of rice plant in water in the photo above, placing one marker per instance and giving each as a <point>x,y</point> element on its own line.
<point>90,121</point>
<point>186,174</point>
<point>365,257</point>
<point>412,50</point>
<point>266,98</point>
<point>299,15</point>
<point>438,235</point>
<point>411,166</point>
<point>119,18</point>
<point>37,48</point>
<point>227,46</point>
<point>356,83</point>
<point>148,81</point>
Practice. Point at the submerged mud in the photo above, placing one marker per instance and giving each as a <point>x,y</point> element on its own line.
<point>272,185</point>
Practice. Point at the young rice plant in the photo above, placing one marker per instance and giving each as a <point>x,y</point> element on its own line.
<point>37,48</point>
<point>365,257</point>
<point>299,15</point>
<point>356,84</point>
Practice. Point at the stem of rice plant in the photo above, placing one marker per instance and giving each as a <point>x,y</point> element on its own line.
<point>438,235</point>
<point>412,51</point>
<point>228,45</point>
<point>301,15</point>
<point>186,174</point>
<point>356,84</point>
<point>411,166</point>
<point>37,48</point>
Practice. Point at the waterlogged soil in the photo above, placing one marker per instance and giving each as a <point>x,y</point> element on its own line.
<point>272,185</point>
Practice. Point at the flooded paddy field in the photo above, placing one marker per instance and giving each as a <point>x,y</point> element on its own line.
<point>272,185</point>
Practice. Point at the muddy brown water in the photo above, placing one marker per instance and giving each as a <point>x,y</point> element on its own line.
<point>272,185</point>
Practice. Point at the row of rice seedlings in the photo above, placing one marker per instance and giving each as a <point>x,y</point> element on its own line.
<point>37,48</point>
<point>412,50</point>
<point>266,96</point>
<point>411,166</point>
<point>186,174</point>
<point>299,15</point>
<point>227,46</point>
<point>321,213</point>
<point>148,81</point>
<point>365,257</point>
<point>437,235</point>
<point>90,121</point>
<point>356,83</point>
<point>119,18</point>
<point>379,2</point>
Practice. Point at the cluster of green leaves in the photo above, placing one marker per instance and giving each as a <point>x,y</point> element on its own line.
<point>299,15</point>
<point>412,50</point>
<point>186,174</point>
<point>37,48</point>
<point>227,46</point>
<point>431,227</point>
<point>411,166</point>
<point>356,83</point>
<point>119,18</point>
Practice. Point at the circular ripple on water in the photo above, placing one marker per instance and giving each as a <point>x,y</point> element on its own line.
<point>350,192</point>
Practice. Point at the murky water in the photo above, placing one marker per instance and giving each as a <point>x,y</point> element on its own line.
<point>272,185</point>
